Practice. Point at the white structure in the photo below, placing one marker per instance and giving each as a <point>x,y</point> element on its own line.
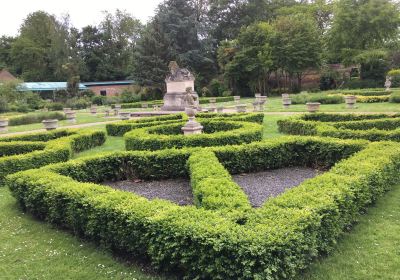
<point>178,80</point>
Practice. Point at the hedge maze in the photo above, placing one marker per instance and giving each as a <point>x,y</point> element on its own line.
<point>221,236</point>
<point>346,126</point>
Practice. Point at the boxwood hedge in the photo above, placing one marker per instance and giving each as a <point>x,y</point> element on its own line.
<point>120,128</point>
<point>34,150</point>
<point>215,133</point>
<point>368,127</point>
<point>206,241</point>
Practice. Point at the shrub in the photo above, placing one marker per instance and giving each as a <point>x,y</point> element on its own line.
<point>35,118</point>
<point>56,146</point>
<point>99,100</point>
<point>274,241</point>
<point>395,97</point>
<point>78,103</point>
<point>55,106</point>
<point>373,99</point>
<point>322,98</point>
<point>395,75</point>
<point>368,127</point>
<point>215,133</point>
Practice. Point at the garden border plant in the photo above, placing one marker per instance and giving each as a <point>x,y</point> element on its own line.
<point>38,149</point>
<point>120,128</point>
<point>370,127</point>
<point>274,241</point>
<point>215,133</point>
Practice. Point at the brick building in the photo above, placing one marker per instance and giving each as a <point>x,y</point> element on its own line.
<point>111,88</point>
<point>6,76</point>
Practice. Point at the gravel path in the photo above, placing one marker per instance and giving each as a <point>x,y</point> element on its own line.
<point>262,185</point>
<point>258,186</point>
<point>176,190</point>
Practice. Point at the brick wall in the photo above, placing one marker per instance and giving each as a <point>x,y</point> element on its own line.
<point>111,90</point>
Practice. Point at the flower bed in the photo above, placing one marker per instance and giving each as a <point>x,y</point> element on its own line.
<point>222,237</point>
<point>35,150</point>
<point>368,127</point>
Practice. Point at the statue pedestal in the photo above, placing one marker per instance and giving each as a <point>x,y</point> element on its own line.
<point>173,101</point>
<point>192,127</point>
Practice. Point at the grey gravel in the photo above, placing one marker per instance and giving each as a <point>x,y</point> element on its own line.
<point>175,190</point>
<point>258,186</point>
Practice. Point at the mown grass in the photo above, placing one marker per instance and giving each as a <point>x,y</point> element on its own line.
<point>32,249</point>
<point>81,118</point>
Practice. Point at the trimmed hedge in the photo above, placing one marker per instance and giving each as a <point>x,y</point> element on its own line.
<point>274,241</point>
<point>60,146</point>
<point>373,99</point>
<point>213,187</point>
<point>368,127</point>
<point>120,128</point>
<point>215,133</point>
<point>35,118</point>
<point>206,100</point>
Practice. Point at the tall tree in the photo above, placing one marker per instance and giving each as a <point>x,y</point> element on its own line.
<point>178,31</point>
<point>297,46</point>
<point>40,50</point>
<point>361,25</point>
<point>5,52</point>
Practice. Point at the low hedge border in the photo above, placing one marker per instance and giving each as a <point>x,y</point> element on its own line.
<point>202,100</point>
<point>120,128</point>
<point>60,146</point>
<point>368,127</point>
<point>35,118</point>
<point>373,99</point>
<point>213,187</point>
<point>215,133</point>
<point>274,241</point>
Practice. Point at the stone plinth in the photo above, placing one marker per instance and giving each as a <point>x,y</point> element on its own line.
<point>65,110</point>
<point>236,98</point>
<point>93,110</point>
<point>192,126</point>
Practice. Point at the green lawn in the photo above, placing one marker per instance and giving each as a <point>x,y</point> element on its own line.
<point>81,118</point>
<point>32,249</point>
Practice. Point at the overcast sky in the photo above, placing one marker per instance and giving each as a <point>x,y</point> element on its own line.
<point>82,12</point>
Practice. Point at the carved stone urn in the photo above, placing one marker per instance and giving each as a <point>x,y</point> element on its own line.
<point>236,98</point>
<point>313,107</point>
<point>124,115</point>
<point>286,102</point>
<point>50,124</point>
<point>350,101</point>
<point>71,116</point>
<point>241,108</point>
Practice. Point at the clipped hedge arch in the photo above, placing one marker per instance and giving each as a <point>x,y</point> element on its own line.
<point>370,127</point>
<point>35,150</point>
<point>274,241</point>
<point>215,133</point>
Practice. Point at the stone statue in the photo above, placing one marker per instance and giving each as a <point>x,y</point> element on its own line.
<point>178,97</point>
<point>388,83</point>
<point>189,98</point>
